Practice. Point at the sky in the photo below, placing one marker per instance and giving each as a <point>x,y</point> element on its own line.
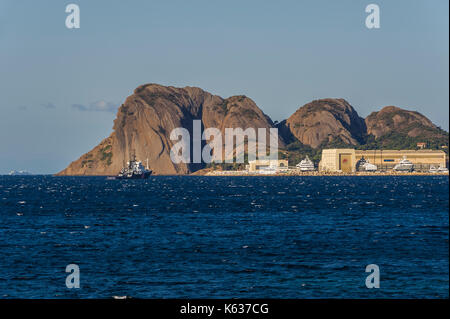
<point>60,88</point>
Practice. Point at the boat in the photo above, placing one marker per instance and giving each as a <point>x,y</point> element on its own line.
<point>442,169</point>
<point>369,167</point>
<point>134,170</point>
<point>306,165</point>
<point>365,166</point>
<point>404,166</point>
<point>433,169</point>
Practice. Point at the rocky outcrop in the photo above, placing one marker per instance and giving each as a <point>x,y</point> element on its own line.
<point>394,119</point>
<point>325,120</point>
<point>147,117</point>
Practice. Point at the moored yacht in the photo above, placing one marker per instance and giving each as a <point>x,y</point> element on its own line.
<point>442,169</point>
<point>433,169</point>
<point>404,165</point>
<point>365,166</point>
<point>369,167</point>
<point>306,165</point>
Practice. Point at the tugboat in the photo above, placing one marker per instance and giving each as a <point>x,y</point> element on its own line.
<point>134,170</point>
<point>306,165</point>
<point>404,166</point>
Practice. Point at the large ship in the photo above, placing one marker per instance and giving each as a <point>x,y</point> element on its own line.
<point>404,165</point>
<point>306,165</point>
<point>134,170</point>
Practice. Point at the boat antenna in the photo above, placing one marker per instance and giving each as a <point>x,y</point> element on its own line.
<point>147,163</point>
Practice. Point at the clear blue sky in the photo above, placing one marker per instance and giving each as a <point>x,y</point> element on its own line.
<point>58,86</point>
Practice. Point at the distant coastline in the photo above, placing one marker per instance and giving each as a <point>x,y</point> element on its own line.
<point>19,173</point>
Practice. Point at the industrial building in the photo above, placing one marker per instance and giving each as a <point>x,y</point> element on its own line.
<point>345,160</point>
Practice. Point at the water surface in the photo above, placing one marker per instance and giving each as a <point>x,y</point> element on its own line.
<point>223,237</point>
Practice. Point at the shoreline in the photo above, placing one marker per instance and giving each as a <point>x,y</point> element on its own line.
<point>290,173</point>
<point>245,173</point>
<point>296,173</point>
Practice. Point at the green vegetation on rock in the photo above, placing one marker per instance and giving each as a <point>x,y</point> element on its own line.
<point>106,154</point>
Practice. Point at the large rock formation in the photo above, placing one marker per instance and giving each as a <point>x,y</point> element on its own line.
<point>147,117</point>
<point>325,120</point>
<point>394,119</point>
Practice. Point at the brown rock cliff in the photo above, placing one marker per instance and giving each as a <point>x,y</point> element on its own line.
<point>324,120</point>
<point>146,118</point>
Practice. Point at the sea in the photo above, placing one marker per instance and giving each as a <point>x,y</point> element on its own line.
<point>225,237</point>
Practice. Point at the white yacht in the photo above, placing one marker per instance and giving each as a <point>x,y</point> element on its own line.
<point>433,169</point>
<point>369,167</point>
<point>365,166</point>
<point>404,165</point>
<point>306,165</point>
<point>442,169</point>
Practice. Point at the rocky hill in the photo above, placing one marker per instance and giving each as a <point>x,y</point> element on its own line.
<point>146,118</point>
<point>393,127</point>
<point>322,121</point>
<point>394,119</point>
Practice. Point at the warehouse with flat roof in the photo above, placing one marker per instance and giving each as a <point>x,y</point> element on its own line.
<point>346,159</point>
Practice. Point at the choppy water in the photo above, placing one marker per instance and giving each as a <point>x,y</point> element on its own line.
<point>276,237</point>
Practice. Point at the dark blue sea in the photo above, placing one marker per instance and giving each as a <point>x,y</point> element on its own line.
<point>224,237</point>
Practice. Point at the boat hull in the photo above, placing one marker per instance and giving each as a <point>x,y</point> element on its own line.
<point>144,175</point>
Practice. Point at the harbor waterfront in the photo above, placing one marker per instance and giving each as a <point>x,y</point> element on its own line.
<point>225,237</point>
<point>341,162</point>
<point>346,159</point>
<point>295,172</point>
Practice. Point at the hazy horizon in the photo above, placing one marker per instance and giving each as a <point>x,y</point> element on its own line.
<point>60,88</point>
